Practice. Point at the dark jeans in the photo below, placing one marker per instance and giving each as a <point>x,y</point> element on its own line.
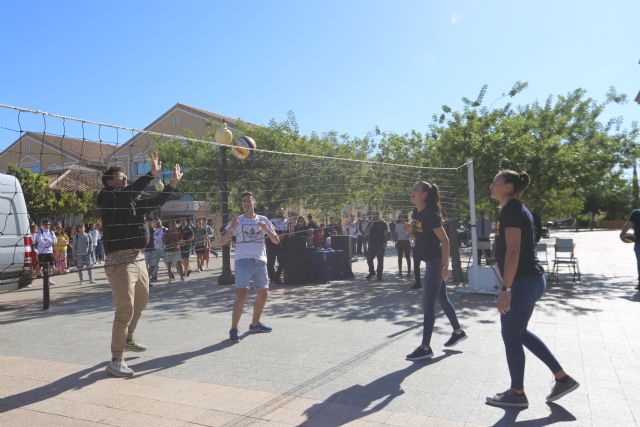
<point>416,266</point>
<point>404,250</point>
<point>376,251</point>
<point>432,288</point>
<point>46,261</point>
<point>524,294</point>
<point>636,248</point>
<point>274,252</point>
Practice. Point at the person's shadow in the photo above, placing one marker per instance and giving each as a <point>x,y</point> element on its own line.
<point>558,415</point>
<point>172,360</point>
<point>386,388</point>
<point>81,379</point>
<point>75,381</point>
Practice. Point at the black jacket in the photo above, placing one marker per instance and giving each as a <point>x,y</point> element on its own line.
<point>123,213</point>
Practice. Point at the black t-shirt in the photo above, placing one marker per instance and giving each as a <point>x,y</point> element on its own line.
<point>635,219</point>
<point>428,245</point>
<point>377,233</point>
<point>515,214</point>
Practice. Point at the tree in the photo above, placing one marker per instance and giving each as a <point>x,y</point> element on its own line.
<point>42,201</point>
<point>561,143</point>
<point>34,187</point>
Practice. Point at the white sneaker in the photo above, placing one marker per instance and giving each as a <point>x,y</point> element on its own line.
<point>119,368</point>
<point>51,283</point>
<point>93,282</point>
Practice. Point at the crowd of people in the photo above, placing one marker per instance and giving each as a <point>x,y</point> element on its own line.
<point>63,249</point>
<point>60,249</point>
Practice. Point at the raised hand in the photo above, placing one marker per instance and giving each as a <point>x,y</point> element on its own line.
<point>156,164</point>
<point>234,222</point>
<point>176,176</point>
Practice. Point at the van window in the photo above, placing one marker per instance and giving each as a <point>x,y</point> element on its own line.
<point>8,217</point>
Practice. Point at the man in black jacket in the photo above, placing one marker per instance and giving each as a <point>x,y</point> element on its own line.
<point>378,237</point>
<point>125,235</point>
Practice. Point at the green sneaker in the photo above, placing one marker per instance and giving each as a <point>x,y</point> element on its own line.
<point>134,346</point>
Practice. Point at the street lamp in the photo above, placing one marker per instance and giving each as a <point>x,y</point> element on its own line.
<point>224,136</point>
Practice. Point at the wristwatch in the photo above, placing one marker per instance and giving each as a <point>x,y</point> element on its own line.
<point>505,289</point>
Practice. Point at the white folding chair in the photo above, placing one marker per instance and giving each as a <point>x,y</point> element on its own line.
<point>564,255</point>
<point>541,254</point>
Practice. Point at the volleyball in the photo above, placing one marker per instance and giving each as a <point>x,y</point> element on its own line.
<point>243,147</point>
<point>628,238</point>
<point>158,185</point>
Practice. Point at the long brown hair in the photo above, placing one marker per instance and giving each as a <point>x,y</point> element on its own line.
<point>433,197</point>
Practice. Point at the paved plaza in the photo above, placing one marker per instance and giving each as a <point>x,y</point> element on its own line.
<point>335,357</point>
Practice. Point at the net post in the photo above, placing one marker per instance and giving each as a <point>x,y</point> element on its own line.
<point>45,286</point>
<point>473,268</point>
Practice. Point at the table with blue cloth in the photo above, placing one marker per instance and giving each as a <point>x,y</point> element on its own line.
<point>317,266</point>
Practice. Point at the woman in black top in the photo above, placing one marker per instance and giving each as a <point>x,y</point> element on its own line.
<point>432,245</point>
<point>523,284</point>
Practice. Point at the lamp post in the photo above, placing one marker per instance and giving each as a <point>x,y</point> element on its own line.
<point>224,136</point>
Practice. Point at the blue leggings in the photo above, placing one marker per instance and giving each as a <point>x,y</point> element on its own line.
<point>524,294</point>
<point>434,287</point>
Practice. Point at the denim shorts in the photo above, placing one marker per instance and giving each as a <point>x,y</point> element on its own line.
<point>173,257</point>
<point>251,269</point>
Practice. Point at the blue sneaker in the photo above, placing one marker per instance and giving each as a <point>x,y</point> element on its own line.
<point>233,336</point>
<point>260,328</point>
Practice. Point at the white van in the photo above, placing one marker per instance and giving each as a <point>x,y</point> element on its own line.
<point>16,263</point>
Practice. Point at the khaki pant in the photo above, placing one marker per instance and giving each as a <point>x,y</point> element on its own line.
<point>127,274</point>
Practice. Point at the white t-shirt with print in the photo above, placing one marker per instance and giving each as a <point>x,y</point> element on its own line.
<point>250,237</point>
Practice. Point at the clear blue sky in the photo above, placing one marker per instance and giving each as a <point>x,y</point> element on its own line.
<point>339,65</point>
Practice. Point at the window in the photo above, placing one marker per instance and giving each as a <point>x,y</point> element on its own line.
<point>142,168</point>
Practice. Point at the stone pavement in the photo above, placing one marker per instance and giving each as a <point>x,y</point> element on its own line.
<point>336,356</point>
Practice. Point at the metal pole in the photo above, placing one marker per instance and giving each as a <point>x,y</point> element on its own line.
<point>45,286</point>
<point>473,276</point>
<point>226,277</point>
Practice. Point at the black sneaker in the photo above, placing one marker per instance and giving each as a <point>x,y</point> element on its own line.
<point>508,399</point>
<point>416,285</point>
<point>561,388</point>
<point>379,278</point>
<point>456,338</point>
<point>420,353</point>
<point>370,275</point>
<point>233,336</point>
<point>638,288</point>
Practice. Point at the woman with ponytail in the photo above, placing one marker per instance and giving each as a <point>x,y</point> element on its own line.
<point>523,283</point>
<point>432,246</point>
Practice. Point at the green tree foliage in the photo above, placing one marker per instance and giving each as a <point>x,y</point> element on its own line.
<point>568,152</point>
<point>41,201</point>
<point>575,160</point>
<point>276,179</point>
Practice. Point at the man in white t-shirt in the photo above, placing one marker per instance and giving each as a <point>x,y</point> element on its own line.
<point>158,244</point>
<point>94,235</point>
<point>250,261</point>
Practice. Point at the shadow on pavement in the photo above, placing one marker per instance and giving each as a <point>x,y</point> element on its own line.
<point>359,299</point>
<point>172,360</point>
<point>75,381</point>
<point>387,388</point>
<point>558,415</point>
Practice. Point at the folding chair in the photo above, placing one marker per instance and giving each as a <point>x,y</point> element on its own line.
<point>541,254</point>
<point>564,255</point>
